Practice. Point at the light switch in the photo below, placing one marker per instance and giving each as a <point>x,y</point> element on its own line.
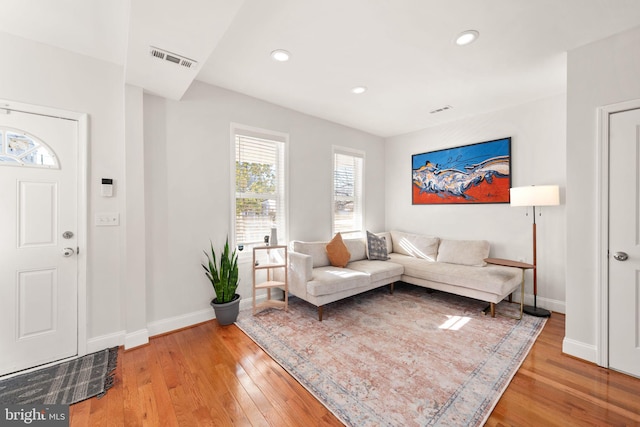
<point>107,219</point>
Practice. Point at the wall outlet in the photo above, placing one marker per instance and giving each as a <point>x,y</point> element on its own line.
<point>107,219</point>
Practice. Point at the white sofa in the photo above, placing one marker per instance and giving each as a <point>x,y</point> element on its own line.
<point>454,266</point>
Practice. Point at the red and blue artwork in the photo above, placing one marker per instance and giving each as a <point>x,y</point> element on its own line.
<point>476,173</point>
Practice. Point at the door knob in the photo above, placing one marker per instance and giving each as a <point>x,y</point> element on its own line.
<point>621,256</point>
<point>67,252</point>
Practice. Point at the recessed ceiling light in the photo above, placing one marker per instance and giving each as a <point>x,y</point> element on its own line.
<point>280,55</point>
<point>359,89</point>
<point>467,37</point>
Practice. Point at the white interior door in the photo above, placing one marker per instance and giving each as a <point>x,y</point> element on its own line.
<point>624,242</point>
<point>38,243</point>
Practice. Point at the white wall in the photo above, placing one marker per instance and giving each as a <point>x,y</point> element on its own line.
<point>599,74</point>
<point>187,169</point>
<point>538,144</point>
<point>133,252</point>
<point>42,75</point>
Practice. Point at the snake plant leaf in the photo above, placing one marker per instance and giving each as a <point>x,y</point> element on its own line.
<point>223,275</point>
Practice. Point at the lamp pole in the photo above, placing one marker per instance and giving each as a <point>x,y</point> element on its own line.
<point>535,311</point>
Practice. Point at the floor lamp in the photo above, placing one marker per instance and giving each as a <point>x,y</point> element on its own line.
<point>535,195</point>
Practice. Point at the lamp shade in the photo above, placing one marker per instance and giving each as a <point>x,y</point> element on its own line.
<point>535,195</point>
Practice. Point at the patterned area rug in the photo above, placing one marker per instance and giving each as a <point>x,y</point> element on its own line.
<point>64,383</point>
<point>413,358</point>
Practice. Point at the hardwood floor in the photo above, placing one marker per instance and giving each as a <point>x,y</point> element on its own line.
<point>217,376</point>
<point>552,389</point>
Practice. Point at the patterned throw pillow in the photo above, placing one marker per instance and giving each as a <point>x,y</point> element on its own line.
<point>337,252</point>
<point>377,247</point>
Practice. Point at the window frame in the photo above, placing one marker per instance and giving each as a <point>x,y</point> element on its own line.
<point>265,134</point>
<point>9,159</point>
<point>346,151</point>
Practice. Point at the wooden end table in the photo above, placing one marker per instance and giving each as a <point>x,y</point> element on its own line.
<point>517,264</point>
<point>271,283</point>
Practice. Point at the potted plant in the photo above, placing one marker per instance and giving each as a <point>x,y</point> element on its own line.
<point>224,279</point>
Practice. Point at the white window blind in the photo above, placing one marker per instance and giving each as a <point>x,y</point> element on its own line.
<point>259,190</point>
<point>348,192</point>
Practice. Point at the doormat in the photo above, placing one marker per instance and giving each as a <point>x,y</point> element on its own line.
<point>63,383</point>
<point>409,359</point>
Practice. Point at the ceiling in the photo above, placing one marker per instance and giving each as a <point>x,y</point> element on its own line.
<point>401,50</point>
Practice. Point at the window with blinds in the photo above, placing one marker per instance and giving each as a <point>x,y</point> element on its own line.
<point>348,192</point>
<point>259,189</point>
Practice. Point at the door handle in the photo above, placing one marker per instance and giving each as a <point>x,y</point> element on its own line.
<point>67,252</point>
<point>620,256</point>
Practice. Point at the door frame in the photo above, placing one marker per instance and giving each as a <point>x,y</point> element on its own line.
<point>602,237</point>
<point>82,176</point>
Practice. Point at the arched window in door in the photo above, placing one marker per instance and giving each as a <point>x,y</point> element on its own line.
<point>18,148</point>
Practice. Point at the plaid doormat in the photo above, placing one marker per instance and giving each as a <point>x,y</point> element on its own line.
<point>64,383</point>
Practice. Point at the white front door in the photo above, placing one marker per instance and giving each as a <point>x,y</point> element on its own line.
<point>624,242</point>
<point>38,240</point>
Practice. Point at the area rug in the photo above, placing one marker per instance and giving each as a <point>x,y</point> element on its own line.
<point>64,383</point>
<point>414,358</point>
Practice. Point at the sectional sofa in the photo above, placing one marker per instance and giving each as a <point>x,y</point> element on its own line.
<point>454,266</point>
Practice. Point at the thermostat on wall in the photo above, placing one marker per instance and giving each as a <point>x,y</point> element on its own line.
<point>107,187</point>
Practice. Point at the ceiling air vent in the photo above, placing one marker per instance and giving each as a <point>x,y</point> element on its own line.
<point>165,55</point>
<point>440,110</point>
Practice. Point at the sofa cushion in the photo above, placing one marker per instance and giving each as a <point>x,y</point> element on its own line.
<point>378,270</point>
<point>330,280</point>
<point>356,248</point>
<point>376,247</point>
<point>337,252</point>
<point>494,279</point>
<point>317,251</point>
<point>415,245</point>
<point>464,252</point>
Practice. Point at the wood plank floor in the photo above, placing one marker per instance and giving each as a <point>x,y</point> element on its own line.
<point>216,376</point>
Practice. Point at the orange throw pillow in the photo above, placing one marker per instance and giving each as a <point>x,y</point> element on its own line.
<point>337,252</point>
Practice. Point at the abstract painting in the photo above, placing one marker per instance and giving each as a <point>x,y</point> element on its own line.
<point>476,173</point>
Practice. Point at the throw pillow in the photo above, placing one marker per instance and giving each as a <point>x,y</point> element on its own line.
<point>377,247</point>
<point>337,252</point>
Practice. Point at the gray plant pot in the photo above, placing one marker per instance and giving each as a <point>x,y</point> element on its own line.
<point>226,313</point>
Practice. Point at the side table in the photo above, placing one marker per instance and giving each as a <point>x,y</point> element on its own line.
<point>277,259</point>
<point>517,264</point>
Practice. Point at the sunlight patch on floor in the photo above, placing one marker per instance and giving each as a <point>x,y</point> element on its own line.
<point>454,323</point>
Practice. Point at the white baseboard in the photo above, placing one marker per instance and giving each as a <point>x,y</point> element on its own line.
<point>137,338</point>
<point>141,337</point>
<point>580,350</point>
<point>115,339</point>
<point>547,303</point>
<point>178,322</point>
